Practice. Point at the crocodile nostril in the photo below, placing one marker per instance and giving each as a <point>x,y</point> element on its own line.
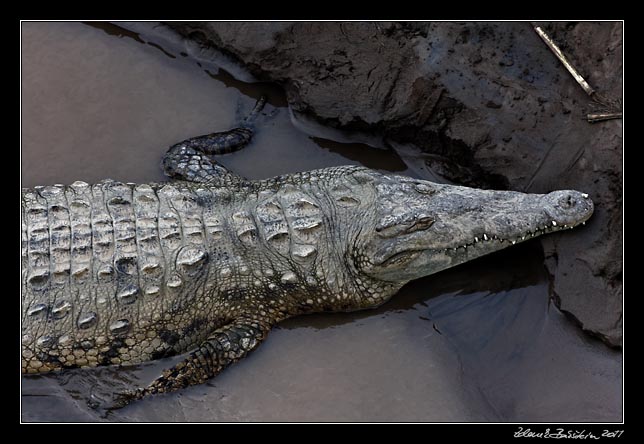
<point>568,201</point>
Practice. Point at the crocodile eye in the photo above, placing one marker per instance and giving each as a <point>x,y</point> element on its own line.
<point>423,223</point>
<point>393,226</point>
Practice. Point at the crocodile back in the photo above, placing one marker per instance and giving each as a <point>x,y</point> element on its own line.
<point>106,266</point>
<point>122,273</point>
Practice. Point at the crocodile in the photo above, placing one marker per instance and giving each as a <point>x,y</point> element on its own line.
<point>205,264</point>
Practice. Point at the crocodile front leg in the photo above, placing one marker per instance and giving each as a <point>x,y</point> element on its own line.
<point>184,162</point>
<point>190,159</point>
<point>226,345</point>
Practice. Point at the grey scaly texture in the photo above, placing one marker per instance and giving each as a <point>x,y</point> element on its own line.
<point>123,273</point>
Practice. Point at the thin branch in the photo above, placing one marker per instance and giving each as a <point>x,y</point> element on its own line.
<point>600,117</point>
<point>612,109</point>
<point>557,52</point>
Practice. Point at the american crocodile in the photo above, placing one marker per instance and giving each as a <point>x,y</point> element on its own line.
<point>122,273</point>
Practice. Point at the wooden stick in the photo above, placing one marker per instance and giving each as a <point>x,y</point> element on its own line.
<point>571,69</point>
<point>599,117</point>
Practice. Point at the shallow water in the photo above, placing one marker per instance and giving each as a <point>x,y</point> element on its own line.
<point>476,343</point>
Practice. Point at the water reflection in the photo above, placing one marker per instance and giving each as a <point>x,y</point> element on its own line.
<point>379,159</point>
<point>275,95</point>
<point>500,276</point>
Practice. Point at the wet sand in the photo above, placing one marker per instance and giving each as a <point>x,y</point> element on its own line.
<point>476,343</point>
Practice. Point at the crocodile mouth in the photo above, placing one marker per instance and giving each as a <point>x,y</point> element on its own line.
<point>484,239</point>
<point>401,258</point>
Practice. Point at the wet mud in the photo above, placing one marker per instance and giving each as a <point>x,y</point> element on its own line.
<point>480,342</point>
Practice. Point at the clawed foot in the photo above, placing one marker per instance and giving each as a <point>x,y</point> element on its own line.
<point>110,402</point>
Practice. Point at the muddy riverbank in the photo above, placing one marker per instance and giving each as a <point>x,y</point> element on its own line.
<point>481,342</point>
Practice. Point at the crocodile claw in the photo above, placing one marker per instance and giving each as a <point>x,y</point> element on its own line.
<point>117,401</point>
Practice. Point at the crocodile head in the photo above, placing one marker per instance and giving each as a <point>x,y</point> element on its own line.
<point>414,228</point>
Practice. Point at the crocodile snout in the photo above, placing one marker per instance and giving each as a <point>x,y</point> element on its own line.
<point>569,207</point>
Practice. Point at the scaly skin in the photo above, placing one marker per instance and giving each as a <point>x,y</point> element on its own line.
<point>119,273</point>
